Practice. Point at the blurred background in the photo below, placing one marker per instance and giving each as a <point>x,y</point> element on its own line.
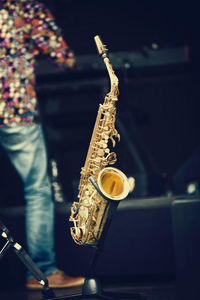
<point>154,50</point>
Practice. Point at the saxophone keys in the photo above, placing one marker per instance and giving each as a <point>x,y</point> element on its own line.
<point>87,193</point>
<point>74,209</point>
<point>107,150</point>
<point>94,170</point>
<point>111,158</point>
<point>93,222</point>
<point>83,212</point>
<point>97,160</point>
<point>105,136</point>
<point>106,128</point>
<point>78,233</point>
<point>86,202</point>
<point>105,145</point>
<point>100,152</point>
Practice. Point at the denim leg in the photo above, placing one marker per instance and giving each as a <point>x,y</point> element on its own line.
<point>26,149</point>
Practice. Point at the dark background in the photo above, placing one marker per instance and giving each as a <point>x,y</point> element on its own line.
<point>157,117</point>
<point>125,25</point>
<point>158,103</point>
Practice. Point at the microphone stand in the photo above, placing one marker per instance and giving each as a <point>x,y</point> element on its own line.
<point>26,260</point>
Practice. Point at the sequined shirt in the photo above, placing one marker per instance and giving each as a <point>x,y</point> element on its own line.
<point>27,28</point>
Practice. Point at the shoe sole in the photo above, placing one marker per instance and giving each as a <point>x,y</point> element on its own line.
<point>39,287</point>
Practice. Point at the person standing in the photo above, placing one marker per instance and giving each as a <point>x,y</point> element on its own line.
<point>28,28</point>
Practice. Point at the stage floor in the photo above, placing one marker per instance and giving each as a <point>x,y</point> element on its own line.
<point>153,291</point>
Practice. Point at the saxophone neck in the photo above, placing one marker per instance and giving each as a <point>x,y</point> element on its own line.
<point>114,82</point>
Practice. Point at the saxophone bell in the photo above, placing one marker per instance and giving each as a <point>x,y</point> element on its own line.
<point>113,184</point>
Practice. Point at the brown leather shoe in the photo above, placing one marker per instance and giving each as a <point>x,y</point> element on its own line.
<point>56,280</point>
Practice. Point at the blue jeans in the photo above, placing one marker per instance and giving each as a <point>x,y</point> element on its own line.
<point>26,149</point>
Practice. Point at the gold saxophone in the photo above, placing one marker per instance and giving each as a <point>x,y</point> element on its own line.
<point>99,184</point>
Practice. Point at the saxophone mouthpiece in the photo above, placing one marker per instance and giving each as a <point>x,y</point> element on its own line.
<point>100,46</point>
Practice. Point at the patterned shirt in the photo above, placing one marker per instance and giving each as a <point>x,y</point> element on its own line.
<point>27,28</point>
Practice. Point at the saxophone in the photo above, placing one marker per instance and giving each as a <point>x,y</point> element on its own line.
<point>99,184</point>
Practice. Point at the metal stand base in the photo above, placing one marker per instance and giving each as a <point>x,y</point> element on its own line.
<point>92,289</point>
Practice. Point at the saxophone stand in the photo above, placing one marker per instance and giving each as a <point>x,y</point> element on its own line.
<point>26,260</point>
<point>92,286</point>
